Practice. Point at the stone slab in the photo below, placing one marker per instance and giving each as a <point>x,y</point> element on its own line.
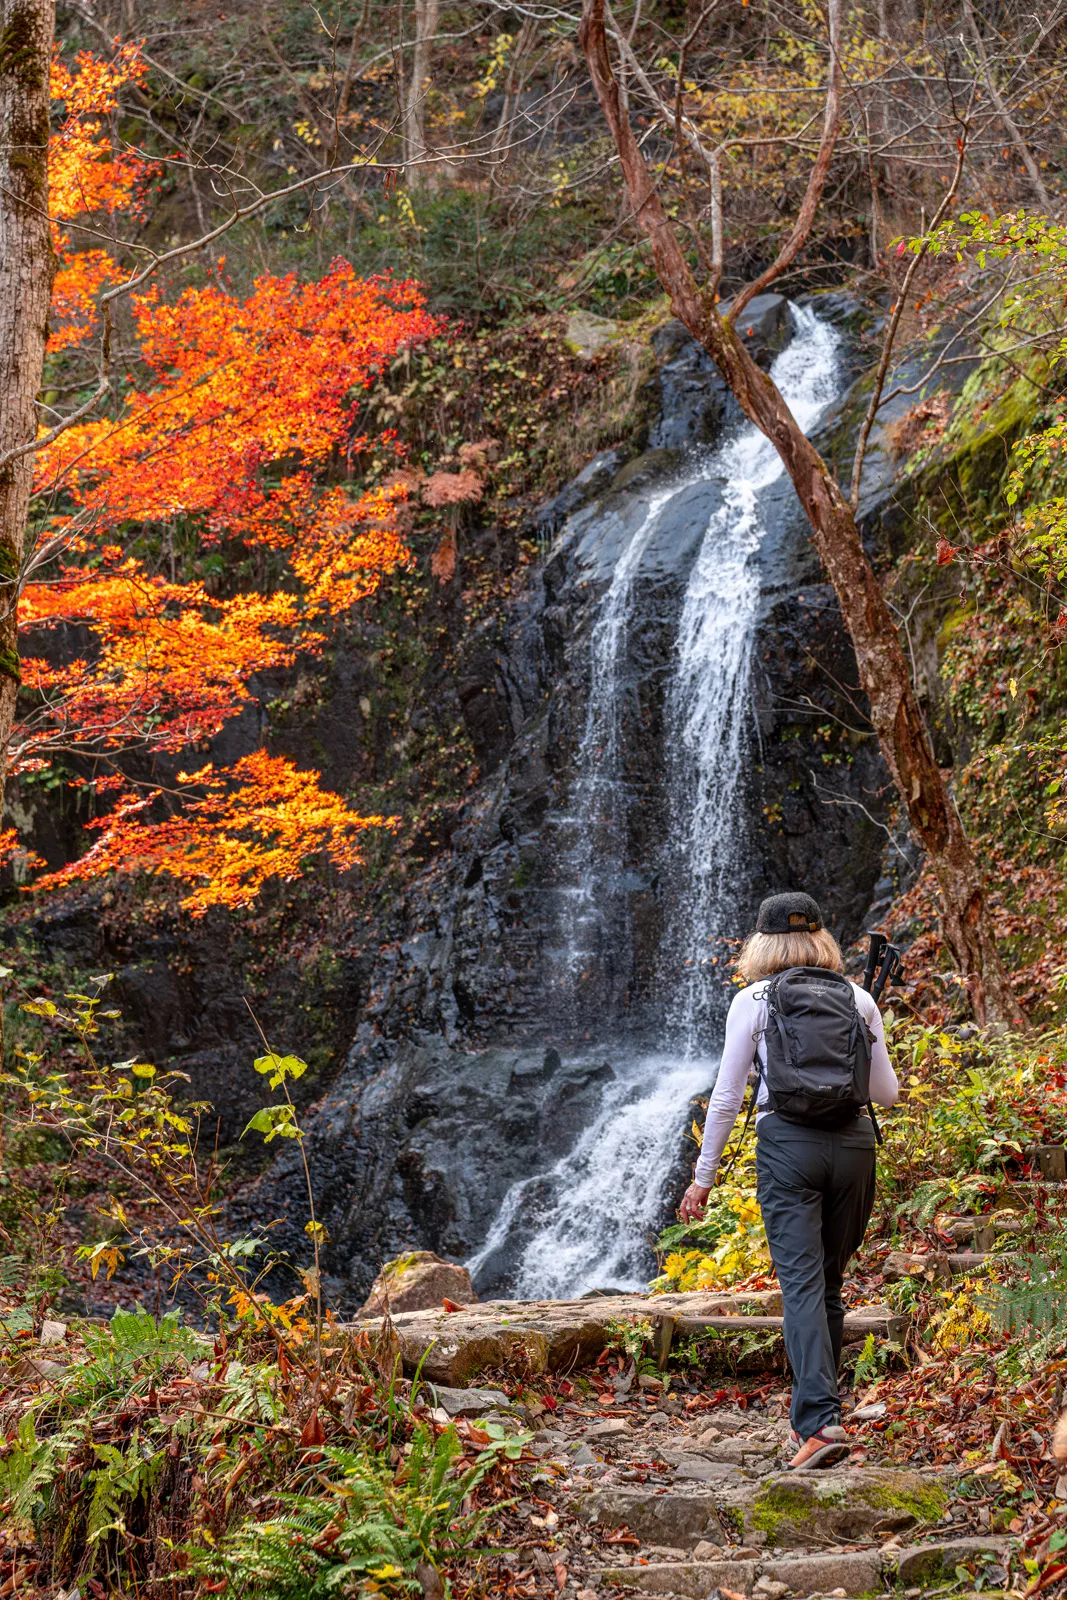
<point>797,1510</point>
<point>697,1579</point>
<point>531,1337</point>
<point>856,1572</point>
<point>680,1517</point>
<point>919,1563</point>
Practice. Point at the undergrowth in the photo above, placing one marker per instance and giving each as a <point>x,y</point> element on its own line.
<point>229,1444</point>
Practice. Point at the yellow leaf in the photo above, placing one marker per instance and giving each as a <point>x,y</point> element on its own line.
<point>1013,687</point>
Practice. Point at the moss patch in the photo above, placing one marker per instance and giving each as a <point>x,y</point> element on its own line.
<point>779,1503</point>
<point>926,1502</point>
<point>793,1511</point>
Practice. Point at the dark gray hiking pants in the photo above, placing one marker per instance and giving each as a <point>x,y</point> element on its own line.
<point>816,1189</point>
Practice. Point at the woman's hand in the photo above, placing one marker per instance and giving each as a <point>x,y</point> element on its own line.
<point>694,1200</point>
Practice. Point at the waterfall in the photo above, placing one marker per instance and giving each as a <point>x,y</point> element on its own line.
<point>709,704</point>
<point>591,852</point>
<point>587,1222</point>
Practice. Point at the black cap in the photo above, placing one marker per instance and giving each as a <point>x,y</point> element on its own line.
<point>789,913</point>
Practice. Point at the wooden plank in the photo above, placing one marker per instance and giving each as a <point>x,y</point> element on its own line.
<point>664,1338</point>
<point>968,1261</point>
<point>858,1324</point>
<point>1050,1159</point>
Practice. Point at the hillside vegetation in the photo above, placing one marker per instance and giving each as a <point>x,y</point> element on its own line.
<point>378,292</point>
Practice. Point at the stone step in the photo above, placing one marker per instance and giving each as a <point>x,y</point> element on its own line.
<point>853,1572</point>
<point>980,1233</point>
<point>531,1337</point>
<point>788,1510</point>
<point>964,1262</point>
<point>879,1320</point>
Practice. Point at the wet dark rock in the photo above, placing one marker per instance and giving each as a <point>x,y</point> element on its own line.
<point>419,1139</point>
<point>420,1153</point>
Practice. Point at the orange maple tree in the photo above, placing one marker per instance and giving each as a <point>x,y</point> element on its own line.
<point>241,411</point>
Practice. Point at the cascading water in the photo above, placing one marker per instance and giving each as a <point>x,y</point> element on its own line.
<point>592,833</point>
<point>586,1223</point>
<point>709,706</point>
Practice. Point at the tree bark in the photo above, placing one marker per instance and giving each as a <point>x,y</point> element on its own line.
<point>419,174</point>
<point>27,29</point>
<point>883,669</point>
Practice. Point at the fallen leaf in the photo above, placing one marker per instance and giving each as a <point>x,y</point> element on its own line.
<point>450,1305</point>
<point>313,1433</point>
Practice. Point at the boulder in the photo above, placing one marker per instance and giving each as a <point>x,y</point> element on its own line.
<point>587,333</point>
<point>418,1281</point>
<point>469,1402</point>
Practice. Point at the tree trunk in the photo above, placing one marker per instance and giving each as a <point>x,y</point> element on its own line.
<point>883,669</point>
<point>26,265</point>
<point>27,28</point>
<point>419,174</point>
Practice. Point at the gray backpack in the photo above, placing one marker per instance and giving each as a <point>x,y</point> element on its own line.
<point>818,1070</point>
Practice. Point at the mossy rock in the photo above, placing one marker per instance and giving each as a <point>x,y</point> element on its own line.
<point>795,1510</point>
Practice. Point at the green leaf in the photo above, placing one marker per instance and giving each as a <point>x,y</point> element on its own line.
<point>281,1066</point>
<point>274,1121</point>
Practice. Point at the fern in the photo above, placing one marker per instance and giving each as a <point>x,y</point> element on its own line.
<point>119,1482</point>
<point>135,1337</point>
<point>934,1195</point>
<point>1036,1301</point>
<point>26,1471</point>
<point>363,1524</point>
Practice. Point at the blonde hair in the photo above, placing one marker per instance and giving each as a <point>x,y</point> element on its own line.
<point>764,954</point>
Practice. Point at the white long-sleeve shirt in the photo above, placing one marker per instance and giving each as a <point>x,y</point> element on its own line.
<point>745,1023</point>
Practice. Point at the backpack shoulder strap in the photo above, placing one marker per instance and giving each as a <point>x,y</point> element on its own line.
<point>750,1113</point>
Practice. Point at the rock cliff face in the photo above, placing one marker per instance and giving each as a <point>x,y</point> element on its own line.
<point>462,1077</point>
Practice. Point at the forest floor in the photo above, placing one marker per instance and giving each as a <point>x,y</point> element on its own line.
<point>275,1458</point>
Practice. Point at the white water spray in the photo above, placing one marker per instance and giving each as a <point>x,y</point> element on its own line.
<point>592,837</point>
<point>589,1221</point>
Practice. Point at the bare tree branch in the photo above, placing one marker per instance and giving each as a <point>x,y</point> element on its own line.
<point>817,179</point>
<point>894,324</point>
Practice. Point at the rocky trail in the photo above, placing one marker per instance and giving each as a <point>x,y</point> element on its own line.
<point>674,1482</point>
<point>672,1487</point>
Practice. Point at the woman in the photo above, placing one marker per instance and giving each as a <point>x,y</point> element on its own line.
<point>815,1185</point>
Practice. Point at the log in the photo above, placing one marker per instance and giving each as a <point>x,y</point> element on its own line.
<point>884,1324</point>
